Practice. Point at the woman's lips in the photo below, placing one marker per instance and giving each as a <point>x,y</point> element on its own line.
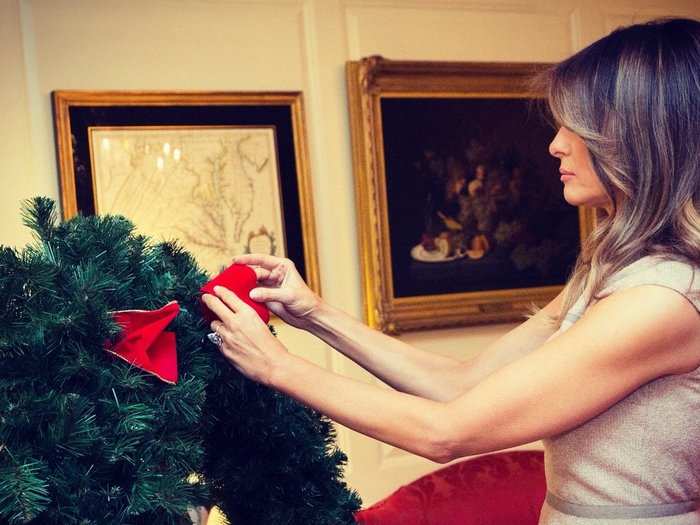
<point>565,175</point>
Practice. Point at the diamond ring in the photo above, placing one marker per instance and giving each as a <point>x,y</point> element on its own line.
<point>215,338</point>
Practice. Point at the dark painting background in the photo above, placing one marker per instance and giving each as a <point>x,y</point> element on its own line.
<point>433,144</point>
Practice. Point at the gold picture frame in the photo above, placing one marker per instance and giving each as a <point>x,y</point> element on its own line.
<point>396,108</point>
<point>234,164</point>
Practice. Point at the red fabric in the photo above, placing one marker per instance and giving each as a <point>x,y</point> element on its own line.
<point>240,279</point>
<point>505,488</point>
<point>144,342</point>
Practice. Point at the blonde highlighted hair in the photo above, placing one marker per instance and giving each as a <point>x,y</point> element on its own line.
<point>634,98</point>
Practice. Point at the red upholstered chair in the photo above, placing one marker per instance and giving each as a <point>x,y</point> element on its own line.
<point>504,488</point>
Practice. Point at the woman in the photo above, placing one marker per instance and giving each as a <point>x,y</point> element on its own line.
<point>607,374</point>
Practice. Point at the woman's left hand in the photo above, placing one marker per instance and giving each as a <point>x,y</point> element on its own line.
<point>246,340</point>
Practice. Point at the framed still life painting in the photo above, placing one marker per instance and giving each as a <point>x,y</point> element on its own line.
<point>222,173</point>
<point>461,212</point>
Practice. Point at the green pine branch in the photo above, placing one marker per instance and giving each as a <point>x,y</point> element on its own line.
<point>95,440</point>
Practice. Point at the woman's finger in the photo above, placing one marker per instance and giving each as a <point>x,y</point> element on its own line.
<point>222,330</point>
<point>263,295</point>
<point>218,327</point>
<point>229,347</point>
<point>217,306</point>
<point>260,259</point>
<point>261,273</point>
<point>231,300</point>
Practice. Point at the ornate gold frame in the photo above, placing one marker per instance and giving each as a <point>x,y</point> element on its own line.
<point>370,79</point>
<point>63,101</point>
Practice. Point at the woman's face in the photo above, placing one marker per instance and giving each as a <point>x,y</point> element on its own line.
<point>582,187</point>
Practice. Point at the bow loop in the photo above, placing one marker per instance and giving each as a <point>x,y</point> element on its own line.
<point>240,279</point>
<point>144,342</point>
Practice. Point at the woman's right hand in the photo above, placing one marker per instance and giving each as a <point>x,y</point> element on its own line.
<point>281,288</point>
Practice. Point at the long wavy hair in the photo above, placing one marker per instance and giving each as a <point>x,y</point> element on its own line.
<point>634,98</point>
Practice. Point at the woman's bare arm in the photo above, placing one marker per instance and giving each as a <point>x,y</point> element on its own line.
<point>421,373</point>
<point>402,366</point>
<point>513,345</point>
<point>622,342</point>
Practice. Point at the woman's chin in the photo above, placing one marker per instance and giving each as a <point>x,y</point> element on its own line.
<point>576,198</point>
<point>572,198</point>
<point>578,194</point>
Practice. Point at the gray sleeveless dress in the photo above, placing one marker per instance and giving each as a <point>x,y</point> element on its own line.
<point>637,463</point>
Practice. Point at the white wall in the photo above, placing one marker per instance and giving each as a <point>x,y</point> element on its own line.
<point>238,45</point>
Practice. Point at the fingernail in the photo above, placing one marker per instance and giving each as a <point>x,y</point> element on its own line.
<point>217,289</point>
<point>254,293</point>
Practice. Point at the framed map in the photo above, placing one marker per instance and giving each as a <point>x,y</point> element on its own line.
<point>222,173</point>
<point>218,188</point>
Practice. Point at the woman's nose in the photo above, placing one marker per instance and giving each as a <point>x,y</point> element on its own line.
<point>559,146</point>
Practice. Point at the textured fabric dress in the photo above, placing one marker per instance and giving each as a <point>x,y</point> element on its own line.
<point>637,463</point>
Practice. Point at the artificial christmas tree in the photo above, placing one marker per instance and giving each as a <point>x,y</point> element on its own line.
<point>86,437</point>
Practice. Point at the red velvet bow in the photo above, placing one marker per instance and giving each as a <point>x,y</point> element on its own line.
<point>240,279</point>
<point>144,342</point>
